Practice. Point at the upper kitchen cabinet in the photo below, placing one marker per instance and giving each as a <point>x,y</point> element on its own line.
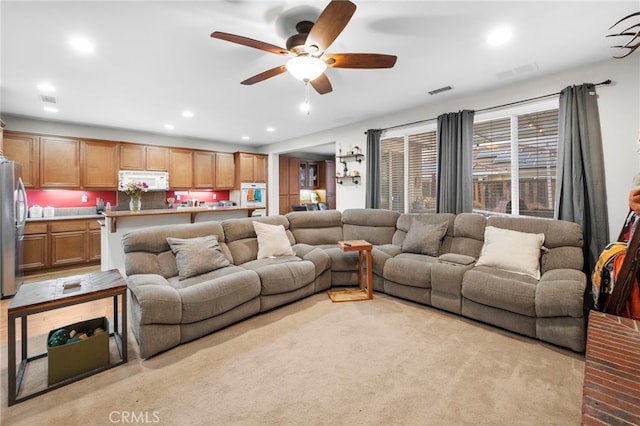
<point>143,157</point>
<point>23,149</point>
<point>100,161</point>
<point>225,170</point>
<point>59,163</point>
<point>309,175</point>
<point>250,167</point>
<point>204,164</point>
<point>157,158</point>
<point>180,168</point>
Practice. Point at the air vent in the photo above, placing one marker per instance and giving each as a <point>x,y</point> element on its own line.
<point>48,99</point>
<point>440,90</point>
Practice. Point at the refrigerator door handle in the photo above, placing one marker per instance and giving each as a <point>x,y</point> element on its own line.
<point>21,208</point>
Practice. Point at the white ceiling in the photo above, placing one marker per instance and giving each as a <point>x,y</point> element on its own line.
<point>152,60</point>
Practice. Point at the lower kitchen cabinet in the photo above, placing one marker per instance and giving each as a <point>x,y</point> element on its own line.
<point>60,243</point>
<point>35,247</point>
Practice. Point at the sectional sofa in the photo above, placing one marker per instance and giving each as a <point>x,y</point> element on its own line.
<point>521,274</point>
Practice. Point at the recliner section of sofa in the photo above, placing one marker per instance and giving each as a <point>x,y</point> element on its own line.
<point>166,311</point>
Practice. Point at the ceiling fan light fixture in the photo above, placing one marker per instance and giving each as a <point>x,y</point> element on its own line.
<point>306,68</point>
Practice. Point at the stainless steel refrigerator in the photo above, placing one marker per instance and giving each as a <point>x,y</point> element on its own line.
<point>13,215</point>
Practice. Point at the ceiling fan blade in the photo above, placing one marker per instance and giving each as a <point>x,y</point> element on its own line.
<point>322,84</point>
<point>264,75</point>
<point>329,25</point>
<point>360,60</point>
<point>246,41</point>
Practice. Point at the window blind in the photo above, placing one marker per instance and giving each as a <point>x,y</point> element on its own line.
<point>422,170</point>
<point>392,174</point>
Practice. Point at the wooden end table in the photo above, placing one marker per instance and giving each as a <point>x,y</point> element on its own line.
<point>54,294</point>
<point>364,292</point>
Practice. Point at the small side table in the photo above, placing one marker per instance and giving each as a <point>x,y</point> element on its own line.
<point>365,292</point>
<point>58,293</point>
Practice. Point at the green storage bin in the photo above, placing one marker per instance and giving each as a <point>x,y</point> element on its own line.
<point>72,359</point>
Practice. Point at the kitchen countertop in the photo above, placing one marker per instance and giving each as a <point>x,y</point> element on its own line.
<point>65,217</point>
<point>179,210</point>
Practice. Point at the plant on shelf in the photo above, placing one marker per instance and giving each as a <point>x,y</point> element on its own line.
<point>134,190</point>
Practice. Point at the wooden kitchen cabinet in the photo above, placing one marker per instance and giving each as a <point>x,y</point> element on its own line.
<point>95,234</point>
<point>59,163</point>
<point>328,179</point>
<point>24,149</point>
<point>100,161</point>
<point>308,172</point>
<point>289,184</point>
<point>225,170</point>
<point>144,157</point>
<point>250,167</point>
<point>180,168</point>
<point>204,164</point>
<point>35,247</point>
<point>157,159</point>
<point>56,244</point>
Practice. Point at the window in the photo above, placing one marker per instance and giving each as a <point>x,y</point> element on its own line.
<point>514,158</point>
<point>408,172</point>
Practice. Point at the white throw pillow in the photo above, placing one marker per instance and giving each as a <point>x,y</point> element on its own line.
<point>272,240</point>
<point>512,251</point>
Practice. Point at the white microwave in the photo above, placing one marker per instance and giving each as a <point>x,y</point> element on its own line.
<point>156,181</point>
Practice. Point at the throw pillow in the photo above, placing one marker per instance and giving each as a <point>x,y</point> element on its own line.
<point>512,251</point>
<point>272,240</point>
<point>424,238</point>
<point>195,256</point>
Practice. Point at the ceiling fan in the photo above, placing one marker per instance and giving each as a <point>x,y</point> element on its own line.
<point>307,49</point>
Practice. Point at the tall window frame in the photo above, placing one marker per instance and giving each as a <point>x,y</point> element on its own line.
<point>518,161</point>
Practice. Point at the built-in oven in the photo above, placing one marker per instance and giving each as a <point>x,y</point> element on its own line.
<point>253,195</point>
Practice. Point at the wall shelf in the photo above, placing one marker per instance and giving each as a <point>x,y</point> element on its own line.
<point>350,157</point>
<point>354,179</point>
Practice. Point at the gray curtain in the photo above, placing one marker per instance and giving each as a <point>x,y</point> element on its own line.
<point>580,188</point>
<point>372,200</point>
<point>455,141</point>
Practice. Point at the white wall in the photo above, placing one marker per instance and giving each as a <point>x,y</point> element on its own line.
<point>619,105</point>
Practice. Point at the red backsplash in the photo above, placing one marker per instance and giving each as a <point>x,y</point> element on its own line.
<point>68,198</point>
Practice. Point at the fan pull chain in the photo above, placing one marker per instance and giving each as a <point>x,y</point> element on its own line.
<point>306,106</point>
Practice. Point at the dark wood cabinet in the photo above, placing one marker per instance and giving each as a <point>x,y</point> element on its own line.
<point>309,177</point>
<point>328,179</point>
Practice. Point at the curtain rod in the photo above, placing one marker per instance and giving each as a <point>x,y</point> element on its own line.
<point>606,82</point>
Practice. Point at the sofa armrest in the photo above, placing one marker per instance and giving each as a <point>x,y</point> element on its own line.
<point>380,254</point>
<point>158,301</point>
<point>560,293</point>
<point>457,259</point>
<point>319,258</point>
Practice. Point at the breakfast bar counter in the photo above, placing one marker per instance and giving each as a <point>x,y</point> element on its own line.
<point>117,223</point>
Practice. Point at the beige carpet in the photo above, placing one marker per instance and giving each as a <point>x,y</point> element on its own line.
<point>315,362</point>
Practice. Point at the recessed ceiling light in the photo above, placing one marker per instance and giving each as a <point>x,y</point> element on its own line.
<point>187,114</point>
<point>81,44</point>
<point>499,36</point>
<point>245,138</point>
<point>169,126</point>
<point>46,87</point>
<point>50,109</point>
<point>271,129</point>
